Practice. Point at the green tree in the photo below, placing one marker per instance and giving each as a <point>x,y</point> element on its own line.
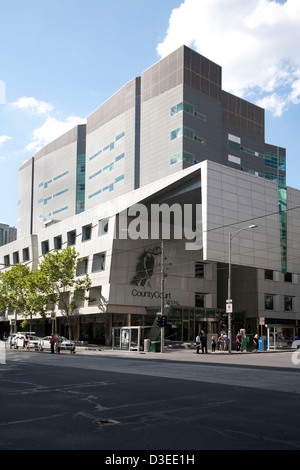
<point>64,288</point>
<point>23,292</point>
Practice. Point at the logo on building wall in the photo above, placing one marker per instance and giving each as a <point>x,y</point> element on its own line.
<point>145,267</point>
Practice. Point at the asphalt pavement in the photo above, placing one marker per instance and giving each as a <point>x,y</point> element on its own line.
<point>109,400</point>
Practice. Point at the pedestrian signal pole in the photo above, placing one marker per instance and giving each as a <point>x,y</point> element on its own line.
<point>162,298</point>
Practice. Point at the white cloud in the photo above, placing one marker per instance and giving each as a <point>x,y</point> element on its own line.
<point>4,138</point>
<point>255,41</point>
<point>39,108</point>
<point>50,130</point>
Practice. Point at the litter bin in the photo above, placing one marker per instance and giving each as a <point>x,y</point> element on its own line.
<point>249,342</point>
<point>155,346</point>
<point>147,343</point>
<point>262,343</point>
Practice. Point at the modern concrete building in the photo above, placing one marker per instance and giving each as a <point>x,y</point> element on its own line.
<point>171,136</point>
<point>7,234</point>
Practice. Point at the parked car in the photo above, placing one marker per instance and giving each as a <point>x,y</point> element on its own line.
<point>11,340</point>
<point>66,344</point>
<point>17,340</point>
<point>296,344</point>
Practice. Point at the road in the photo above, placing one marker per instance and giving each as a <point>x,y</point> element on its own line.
<point>177,401</point>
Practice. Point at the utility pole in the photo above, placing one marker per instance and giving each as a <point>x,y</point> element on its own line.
<point>229,308</point>
<point>162,298</point>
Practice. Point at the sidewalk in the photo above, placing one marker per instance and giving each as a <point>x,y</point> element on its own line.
<point>189,355</point>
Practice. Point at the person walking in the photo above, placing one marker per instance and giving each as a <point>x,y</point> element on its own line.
<point>26,341</point>
<point>52,343</point>
<point>238,341</point>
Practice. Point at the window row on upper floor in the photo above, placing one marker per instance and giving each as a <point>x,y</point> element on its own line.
<point>15,258</point>
<point>188,108</point>
<point>109,146</point>
<point>73,236</point>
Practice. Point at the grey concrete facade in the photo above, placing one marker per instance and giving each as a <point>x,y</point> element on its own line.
<point>171,135</point>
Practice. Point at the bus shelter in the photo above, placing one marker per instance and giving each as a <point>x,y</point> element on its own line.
<point>129,338</point>
<point>280,336</point>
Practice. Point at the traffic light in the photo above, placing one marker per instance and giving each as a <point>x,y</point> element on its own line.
<point>161,321</point>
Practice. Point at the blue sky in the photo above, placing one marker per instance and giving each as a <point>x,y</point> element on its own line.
<point>62,59</point>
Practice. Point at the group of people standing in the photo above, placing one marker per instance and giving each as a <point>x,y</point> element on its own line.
<point>222,342</point>
<point>201,342</point>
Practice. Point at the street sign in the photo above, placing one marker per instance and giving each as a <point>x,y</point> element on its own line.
<point>262,321</point>
<point>229,306</point>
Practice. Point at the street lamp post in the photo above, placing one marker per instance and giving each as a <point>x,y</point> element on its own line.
<point>229,300</point>
<point>162,298</point>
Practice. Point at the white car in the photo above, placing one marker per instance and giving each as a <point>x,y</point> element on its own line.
<point>44,343</point>
<point>17,340</point>
<point>296,344</point>
<point>11,340</point>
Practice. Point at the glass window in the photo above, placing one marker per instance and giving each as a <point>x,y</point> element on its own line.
<point>98,262</point>
<point>16,257</point>
<point>94,194</point>
<point>269,274</point>
<point>82,267</point>
<point>288,277</point>
<point>6,260</point>
<point>199,299</point>
<point>45,247</point>
<point>25,254</point>
<point>188,108</point>
<point>120,136</point>
<point>288,303</point>
<point>201,140</point>
<point>199,270</point>
<point>94,295</point>
<point>182,156</point>
<point>119,178</point>
<point>187,132</point>
<point>269,302</point>
<point>58,242</point>
<point>103,227</point>
<point>71,237</point>
<point>176,133</point>
<point>80,184</point>
<point>86,232</point>
<point>119,157</point>
<point>234,146</point>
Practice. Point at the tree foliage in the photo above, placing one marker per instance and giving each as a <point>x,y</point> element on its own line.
<point>55,281</point>
<point>65,289</point>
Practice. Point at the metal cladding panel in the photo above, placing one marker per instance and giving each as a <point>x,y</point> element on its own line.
<point>233,200</point>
